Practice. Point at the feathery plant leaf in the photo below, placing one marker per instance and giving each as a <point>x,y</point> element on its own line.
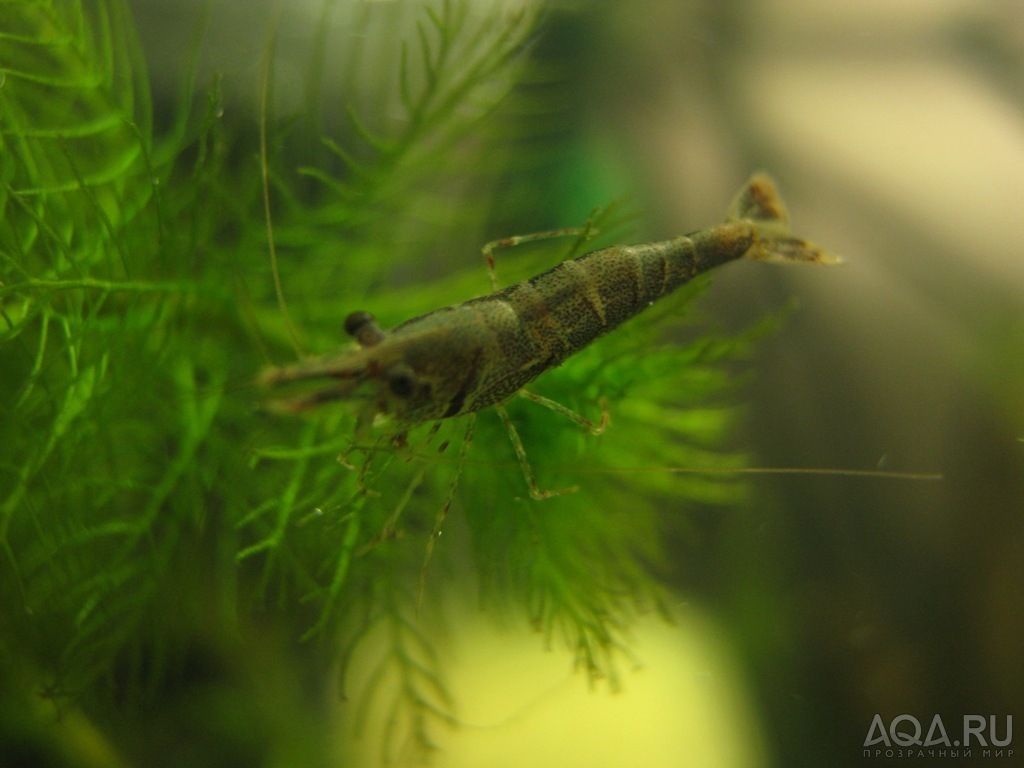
<point>102,430</point>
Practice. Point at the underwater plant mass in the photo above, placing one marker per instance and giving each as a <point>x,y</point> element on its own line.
<point>170,552</point>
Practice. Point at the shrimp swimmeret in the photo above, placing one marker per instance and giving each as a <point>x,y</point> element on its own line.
<point>457,360</point>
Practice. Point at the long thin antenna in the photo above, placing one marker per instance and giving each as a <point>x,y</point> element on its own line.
<point>882,474</point>
<point>268,56</point>
<point>827,472</point>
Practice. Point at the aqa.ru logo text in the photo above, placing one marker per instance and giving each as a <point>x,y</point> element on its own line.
<point>906,732</point>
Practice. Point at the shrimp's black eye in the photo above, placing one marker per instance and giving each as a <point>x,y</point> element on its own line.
<point>362,326</point>
<point>402,382</point>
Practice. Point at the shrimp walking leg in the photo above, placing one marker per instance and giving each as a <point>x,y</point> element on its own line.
<point>390,528</point>
<point>583,421</point>
<point>442,513</point>
<point>583,234</point>
<point>524,463</point>
<point>363,468</point>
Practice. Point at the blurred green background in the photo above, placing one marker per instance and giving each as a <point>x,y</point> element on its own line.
<point>167,546</point>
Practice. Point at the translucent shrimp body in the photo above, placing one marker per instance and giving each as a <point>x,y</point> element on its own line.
<point>466,357</point>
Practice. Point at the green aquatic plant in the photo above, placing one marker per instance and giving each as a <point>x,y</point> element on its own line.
<point>159,533</point>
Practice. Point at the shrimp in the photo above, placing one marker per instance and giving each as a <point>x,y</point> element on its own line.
<point>463,358</point>
<point>460,359</point>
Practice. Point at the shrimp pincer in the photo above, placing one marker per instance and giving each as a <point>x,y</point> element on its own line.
<point>460,359</point>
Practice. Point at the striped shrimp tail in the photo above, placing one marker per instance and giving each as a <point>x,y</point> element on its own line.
<point>759,203</point>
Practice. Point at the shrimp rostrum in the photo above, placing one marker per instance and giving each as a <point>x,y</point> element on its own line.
<point>460,359</point>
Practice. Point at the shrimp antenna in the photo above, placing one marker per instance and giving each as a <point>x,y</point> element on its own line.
<point>885,474</point>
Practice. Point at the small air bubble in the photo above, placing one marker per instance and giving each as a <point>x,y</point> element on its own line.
<point>219,112</point>
<point>314,514</point>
